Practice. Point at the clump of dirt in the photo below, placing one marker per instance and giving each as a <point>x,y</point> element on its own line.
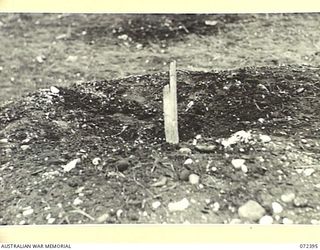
<point>161,28</point>
<point>114,131</point>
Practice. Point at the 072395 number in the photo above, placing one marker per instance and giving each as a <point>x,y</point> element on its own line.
<point>309,246</point>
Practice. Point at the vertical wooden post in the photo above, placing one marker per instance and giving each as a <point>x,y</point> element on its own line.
<point>170,109</point>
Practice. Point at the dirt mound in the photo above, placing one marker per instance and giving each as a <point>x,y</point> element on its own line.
<point>102,123</point>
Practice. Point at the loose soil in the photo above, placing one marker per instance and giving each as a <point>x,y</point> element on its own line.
<point>115,130</point>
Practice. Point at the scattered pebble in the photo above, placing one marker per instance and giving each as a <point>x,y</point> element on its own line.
<point>72,58</point>
<point>244,168</point>
<point>184,175</point>
<point>251,210</point>
<point>161,182</point>
<point>96,161</point>
<point>276,207</point>
<point>308,171</point>
<point>54,90</point>
<point>237,163</point>
<point>179,205</point>
<point>22,222</point>
<point>300,202</point>
<point>103,218</point>
<point>77,201</point>
<point>51,220</point>
<point>265,138</point>
<point>185,151</point>
<point>27,212</point>
<point>288,197</point>
<point>215,207</point>
<point>24,147</point>
<point>188,161</point>
<point>122,165</point>
<point>205,148</point>
<point>119,213</point>
<point>194,179</point>
<point>4,140</point>
<point>155,205</point>
<point>266,220</point>
<point>72,164</point>
<point>317,185</point>
<point>287,221</point>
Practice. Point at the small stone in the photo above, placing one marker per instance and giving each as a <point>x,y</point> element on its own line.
<point>72,164</point>
<point>215,207</point>
<point>27,212</point>
<point>300,202</point>
<point>122,165</point>
<point>54,90</point>
<point>4,141</point>
<point>103,218</point>
<point>288,197</point>
<point>304,141</point>
<point>155,205</point>
<point>265,138</point>
<point>287,221</point>
<point>184,175</point>
<point>308,171</point>
<point>185,151</point>
<point>276,207</point>
<point>24,147</point>
<point>244,168</point>
<point>198,137</point>
<point>96,161</point>
<point>22,222</point>
<point>251,210</point>
<point>188,161</point>
<point>119,213</point>
<point>77,201</point>
<point>179,205</point>
<point>237,163</point>
<point>266,220</point>
<point>194,179</point>
<point>71,58</point>
<point>161,182</point>
<point>51,220</point>
<point>205,148</point>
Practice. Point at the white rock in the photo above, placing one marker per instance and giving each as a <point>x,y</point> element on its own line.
<point>308,171</point>
<point>179,205</point>
<point>237,163</point>
<point>22,222</point>
<point>51,220</point>
<point>103,218</point>
<point>96,161</point>
<point>24,147</point>
<point>194,179</point>
<point>27,212</point>
<point>216,207</point>
<point>119,213</point>
<point>198,137</point>
<point>251,210</point>
<point>265,138</point>
<point>244,168</point>
<point>54,90</point>
<point>72,164</point>
<point>185,151</point>
<point>72,58</point>
<point>188,161</point>
<point>276,207</point>
<point>77,201</point>
<point>4,140</point>
<point>155,205</point>
<point>288,197</point>
<point>287,221</point>
<point>266,220</point>
<point>317,185</point>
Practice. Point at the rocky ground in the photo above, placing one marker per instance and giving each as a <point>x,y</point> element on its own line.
<point>94,151</point>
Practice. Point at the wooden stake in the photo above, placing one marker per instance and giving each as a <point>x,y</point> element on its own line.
<point>170,107</point>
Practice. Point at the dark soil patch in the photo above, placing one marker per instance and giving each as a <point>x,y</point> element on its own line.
<point>103,122</point>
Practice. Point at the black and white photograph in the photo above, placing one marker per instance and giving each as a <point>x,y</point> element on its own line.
<point>159,118</point>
